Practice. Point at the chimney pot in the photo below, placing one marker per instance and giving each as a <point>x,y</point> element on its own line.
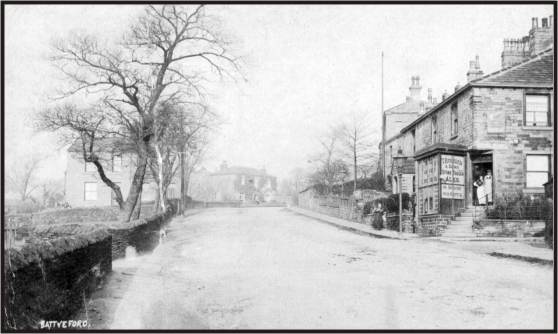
<point>536,22</point>
<point>550,21</point>
<point>544,22</point>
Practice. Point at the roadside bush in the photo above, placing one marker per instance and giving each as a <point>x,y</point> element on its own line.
<point>519,206</point>
<point>25,207</point>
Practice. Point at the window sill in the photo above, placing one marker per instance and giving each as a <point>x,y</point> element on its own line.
<point>531,127</point>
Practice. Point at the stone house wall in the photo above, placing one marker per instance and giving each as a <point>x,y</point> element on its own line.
<point>499,126</point>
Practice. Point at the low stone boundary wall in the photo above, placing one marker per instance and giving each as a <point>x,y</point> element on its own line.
<point>508,228</point>
<point>50,275</point>
<point>142,234</point>
<point>433,226</point>
<point>50,279</point>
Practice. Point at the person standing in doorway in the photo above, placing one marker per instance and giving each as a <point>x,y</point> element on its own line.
<point>481,190</point>
<point>488,186</point>
<point>476,175</point>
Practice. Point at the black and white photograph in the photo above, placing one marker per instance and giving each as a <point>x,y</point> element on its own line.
<point>267,166</point>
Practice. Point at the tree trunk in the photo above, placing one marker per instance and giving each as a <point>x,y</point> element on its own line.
<point>355,168</point>
<point>160,183</point>
<point>134,196</point>
<point>183,190</point>
<point>137,209</point>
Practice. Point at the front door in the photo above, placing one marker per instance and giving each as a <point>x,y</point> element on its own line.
<point>482,180</point>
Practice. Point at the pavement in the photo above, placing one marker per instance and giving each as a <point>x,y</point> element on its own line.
<point>352,226</point>
<point>513,248</point>
<point>271,268</point>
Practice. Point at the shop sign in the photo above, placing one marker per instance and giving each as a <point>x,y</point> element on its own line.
<point>453,191</point>
<point>452,169</point>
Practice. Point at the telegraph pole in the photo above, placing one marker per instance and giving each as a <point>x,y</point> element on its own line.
<point>382,154</point>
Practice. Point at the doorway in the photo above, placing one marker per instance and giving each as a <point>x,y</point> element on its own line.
<point>482,181</point>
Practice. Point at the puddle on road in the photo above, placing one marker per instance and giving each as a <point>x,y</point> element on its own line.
<point>100,307</point>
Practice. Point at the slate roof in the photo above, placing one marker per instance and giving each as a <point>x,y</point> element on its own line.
<point>535,72</point>
<point>103,145</point>
<point>442,148</point>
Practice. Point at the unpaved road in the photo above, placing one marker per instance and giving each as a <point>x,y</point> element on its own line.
<point>262,268</point>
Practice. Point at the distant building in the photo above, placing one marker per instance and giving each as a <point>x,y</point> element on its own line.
<point>398,117</point>
<point>233,183</point>
<point>84,187</point>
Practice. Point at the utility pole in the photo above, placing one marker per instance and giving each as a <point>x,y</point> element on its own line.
<point>382,154</point>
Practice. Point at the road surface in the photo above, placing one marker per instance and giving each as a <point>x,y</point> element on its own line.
<point>269,268</point>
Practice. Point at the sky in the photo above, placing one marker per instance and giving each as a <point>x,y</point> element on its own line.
<point>308,67</point>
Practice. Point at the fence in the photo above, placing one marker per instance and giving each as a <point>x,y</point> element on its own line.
<point>340,207</point>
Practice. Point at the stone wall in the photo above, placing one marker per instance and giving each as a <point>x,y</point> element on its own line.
<point>344,208</point>
<point>499,125</point>
<point>423,130</point>
<point>49,280</point>
<point>509,228</point>
<point>142,234</point>
<point>433,225</point>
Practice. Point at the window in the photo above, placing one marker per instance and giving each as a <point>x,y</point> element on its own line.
<point>434,125</point>
<point>454,120</point>
<point>90,191</point>
<point>117,163</point>
<point>537,168</point>
<point>537,110</point>
<point>90,167</point>
<point>413,139</point>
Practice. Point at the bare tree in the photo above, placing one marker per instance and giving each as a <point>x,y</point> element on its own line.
<point>179,141</point>
<point>164,57</point>
<point>358,145</point>
<point>21,179</point>
<point>330,166</point>
<point>52,192</point>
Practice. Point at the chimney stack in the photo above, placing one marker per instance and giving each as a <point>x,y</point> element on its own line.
<point>457,87</point>
<point>445,95</point>
<point>475,71</point>
<point>415,88</point>
<point>540,38</point>
<point>429,99</point>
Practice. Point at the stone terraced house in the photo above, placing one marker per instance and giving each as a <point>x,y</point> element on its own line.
<point>84,187</point>
<point>498,125</point>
